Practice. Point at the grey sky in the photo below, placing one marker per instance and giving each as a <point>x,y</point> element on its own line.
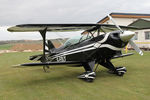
<point>14,12</point>
<point>65,11</point>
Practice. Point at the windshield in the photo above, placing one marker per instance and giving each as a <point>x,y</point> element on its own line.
<point>76,39</point>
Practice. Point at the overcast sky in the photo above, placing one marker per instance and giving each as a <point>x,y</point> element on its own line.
<point>14,12</point>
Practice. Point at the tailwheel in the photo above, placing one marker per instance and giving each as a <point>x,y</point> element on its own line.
<point>46,68</point>
<point>120,71</point>
<point>87,76</point>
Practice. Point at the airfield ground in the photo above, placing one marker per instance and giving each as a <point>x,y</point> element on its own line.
<point>21,46</point>
<point>61,82</point>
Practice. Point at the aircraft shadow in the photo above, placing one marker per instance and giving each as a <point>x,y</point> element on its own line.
<point>100,74</point>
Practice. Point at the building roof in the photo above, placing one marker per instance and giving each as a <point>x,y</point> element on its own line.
<point>124,15</point>
<point>141,23</point>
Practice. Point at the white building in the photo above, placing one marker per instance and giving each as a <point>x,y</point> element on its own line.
<point>142,38</point>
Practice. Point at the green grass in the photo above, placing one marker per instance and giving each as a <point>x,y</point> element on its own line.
<point>5,46</point>
<point>61,82</point>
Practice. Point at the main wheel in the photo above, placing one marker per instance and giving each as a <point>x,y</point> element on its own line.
<point>120,71</point>
<point>87,76</point>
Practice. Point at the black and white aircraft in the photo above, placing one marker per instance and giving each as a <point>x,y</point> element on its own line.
<point>86,50</point>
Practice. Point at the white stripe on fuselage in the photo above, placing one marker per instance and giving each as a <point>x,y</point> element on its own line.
<point>74,52</point>
<point>87,49</point>
<point>110,47</point>
<point>102,41</point>
<point>75,49</point>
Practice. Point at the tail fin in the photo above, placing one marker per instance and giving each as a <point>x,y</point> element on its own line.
<point>49,47</point>
<point>50,44</point>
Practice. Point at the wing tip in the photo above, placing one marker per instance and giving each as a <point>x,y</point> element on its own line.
<point>16,66</point>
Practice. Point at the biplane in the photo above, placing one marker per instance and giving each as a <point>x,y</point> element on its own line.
<point>98,44</point>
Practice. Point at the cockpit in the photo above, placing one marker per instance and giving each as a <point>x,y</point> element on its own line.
<point>76,39</point>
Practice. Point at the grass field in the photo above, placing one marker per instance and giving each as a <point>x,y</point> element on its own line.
<point>61,82</point>
<point>5,46</point>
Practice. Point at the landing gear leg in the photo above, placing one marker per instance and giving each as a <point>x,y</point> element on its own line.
<point>120,71</point>
<point>89,75</point>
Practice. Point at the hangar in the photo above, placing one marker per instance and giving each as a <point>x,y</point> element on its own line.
<point>142,37</point>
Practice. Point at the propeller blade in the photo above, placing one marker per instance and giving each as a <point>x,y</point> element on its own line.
<point>115,23</point>
<point>136,48</point>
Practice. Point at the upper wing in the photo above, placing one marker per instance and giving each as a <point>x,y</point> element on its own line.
<point>50,27</point>
<point>61,27</point>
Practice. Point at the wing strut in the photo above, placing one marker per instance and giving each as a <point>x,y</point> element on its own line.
<point>43,34</point>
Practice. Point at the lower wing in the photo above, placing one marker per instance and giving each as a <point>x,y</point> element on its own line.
<point>122,55</point>
<point>51,63</point>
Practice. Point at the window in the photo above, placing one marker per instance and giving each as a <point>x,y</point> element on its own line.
<point>76,39</point>
<point>71,41</point>
<point>147,35</point>
<point>135,36</point>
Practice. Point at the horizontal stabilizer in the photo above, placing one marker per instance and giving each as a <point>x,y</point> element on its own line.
<point>36,57</point>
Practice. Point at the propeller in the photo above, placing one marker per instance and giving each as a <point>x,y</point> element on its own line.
<point>136,48</point>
